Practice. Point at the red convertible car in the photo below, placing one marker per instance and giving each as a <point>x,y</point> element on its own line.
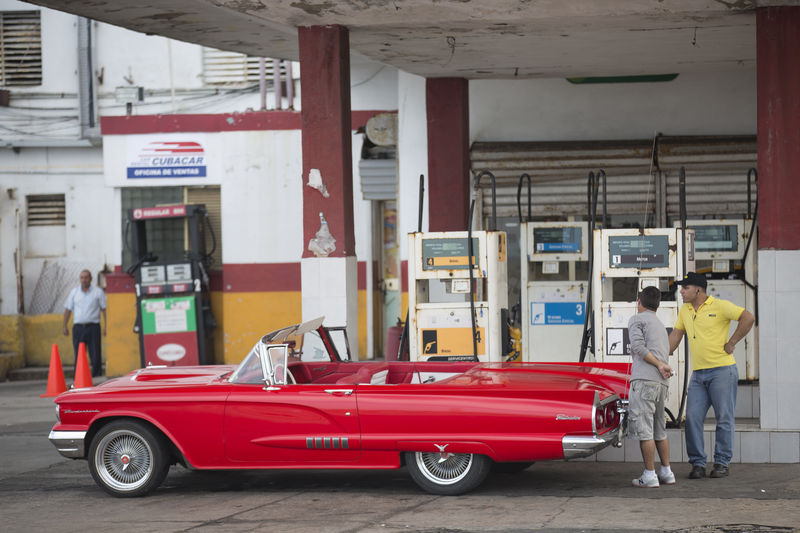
<point>295,403</point>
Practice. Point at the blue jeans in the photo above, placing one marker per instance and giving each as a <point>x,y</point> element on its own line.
<point>711,387</point>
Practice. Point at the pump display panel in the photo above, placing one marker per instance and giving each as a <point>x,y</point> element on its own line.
<point>557,241</point>
<point>638,251</point>
<point>448,254</point>
<point>718,239</point>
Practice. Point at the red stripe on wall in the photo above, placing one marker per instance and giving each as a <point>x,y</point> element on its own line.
<point>251,121</point>
<point>118,282</point>
<point>261,277</point>
<point>265,277</point>
<point>361,268</point>
<point>404,274</point>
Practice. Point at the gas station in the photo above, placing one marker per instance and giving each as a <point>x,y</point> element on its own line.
<point>578,275</point>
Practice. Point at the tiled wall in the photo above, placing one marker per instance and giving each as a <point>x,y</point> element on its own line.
<point>779,338</point>
<point>748,447</point>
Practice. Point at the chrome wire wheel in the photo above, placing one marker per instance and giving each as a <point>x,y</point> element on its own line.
<point>444,468</point>
<point>124,460</point>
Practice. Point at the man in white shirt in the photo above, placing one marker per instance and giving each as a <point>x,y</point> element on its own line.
<point>88,303</point>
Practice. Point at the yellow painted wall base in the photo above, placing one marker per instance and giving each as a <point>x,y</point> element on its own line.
<point>121,349</point>
<point>40,332</point>
<point>250,315</point>
<point>10,333</point>
<point>242,318</point>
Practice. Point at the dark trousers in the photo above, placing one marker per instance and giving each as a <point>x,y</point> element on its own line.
<point>89,334</point>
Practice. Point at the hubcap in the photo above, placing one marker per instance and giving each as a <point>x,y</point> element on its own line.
<point>124,460</point>
<point>444,468</point>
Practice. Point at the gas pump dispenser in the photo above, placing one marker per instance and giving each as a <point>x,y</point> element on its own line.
<point>172,296</point>
<point>458,294</point>
<point>726,249</point>
<point>553,308</point>
<point>628,261</point>
<point>553,276</point>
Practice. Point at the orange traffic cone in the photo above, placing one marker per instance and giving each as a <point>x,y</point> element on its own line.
<point>55,377</point>
<point>83,376</point>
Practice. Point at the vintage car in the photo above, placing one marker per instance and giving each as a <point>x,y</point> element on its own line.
<point>295,403</point>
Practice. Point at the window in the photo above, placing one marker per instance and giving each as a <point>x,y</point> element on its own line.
<point>20,48</point>
<point>46,225</point>
<point>46,210</point>
<point>164,237</point>
<point>232,68</point>
<point>168,238</point>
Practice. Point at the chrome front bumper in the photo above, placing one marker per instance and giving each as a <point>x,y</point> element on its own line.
<point>578,446</point>
<point>69,443</point>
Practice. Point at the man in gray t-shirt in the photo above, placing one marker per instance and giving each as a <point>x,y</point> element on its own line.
<point>649,387</point>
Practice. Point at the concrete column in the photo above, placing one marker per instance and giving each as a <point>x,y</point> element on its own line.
<point>447,105</point>
<point>328,267</point>
<point>778,57</point>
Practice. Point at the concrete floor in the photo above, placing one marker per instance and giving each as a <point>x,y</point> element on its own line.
<point>40,490</point>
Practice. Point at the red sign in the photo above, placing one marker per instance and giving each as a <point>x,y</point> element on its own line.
<point>171,349</point>
<point>153,289</point>
<point>172,211</point>
<point>180,287</point>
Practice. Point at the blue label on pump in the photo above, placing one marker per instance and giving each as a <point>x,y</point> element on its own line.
<point>557,313</point>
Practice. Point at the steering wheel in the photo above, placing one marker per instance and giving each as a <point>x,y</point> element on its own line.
<point>289,377</point>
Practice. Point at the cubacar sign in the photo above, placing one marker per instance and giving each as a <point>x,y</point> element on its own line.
<point>166,158</point>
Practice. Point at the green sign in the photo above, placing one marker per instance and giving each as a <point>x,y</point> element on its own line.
<point>168,315</point>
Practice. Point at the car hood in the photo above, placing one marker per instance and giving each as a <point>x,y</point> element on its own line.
<point>173,376</point>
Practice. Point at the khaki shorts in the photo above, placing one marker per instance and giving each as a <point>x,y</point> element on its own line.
<point>646,417</point>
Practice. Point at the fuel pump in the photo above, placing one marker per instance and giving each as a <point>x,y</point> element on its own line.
<point>725,249</point>
<point>554,280</point>
<point>172,294</point>
<point>458,293</point>
<point>630,260</point>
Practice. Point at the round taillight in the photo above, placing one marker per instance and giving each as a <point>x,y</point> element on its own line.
<point>599,418</point>
<point>612,416</point>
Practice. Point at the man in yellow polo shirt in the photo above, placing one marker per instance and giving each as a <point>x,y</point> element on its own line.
<point>705,321</point>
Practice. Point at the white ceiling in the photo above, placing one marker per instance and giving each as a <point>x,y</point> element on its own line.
<point>467,38</point>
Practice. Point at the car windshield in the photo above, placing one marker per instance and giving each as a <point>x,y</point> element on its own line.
<point>305,344</point>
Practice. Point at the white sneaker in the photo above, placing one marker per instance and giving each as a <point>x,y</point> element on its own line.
<point>669,479</point>
<point>647,483</point>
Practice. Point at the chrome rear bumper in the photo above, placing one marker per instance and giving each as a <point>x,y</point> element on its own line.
<point>69,443</point>
<point>580,446</point>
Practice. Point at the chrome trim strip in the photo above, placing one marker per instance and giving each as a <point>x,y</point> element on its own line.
<point>345,445</point>
<point>309,442</point>
<point>70,444</point>
<point>327,441</point>
<point>336,442</point>
<point>318,442</point>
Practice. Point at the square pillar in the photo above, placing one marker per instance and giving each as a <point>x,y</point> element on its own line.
<point>328,266</point>
<point>778,75</point>
<point>447,109</point>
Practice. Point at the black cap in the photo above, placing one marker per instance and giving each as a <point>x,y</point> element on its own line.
<point>693,278</point>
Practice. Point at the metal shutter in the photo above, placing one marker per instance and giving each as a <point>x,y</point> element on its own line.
<point>20,48</point>
<point>235,69</point>
<point>716,169</point>
<point>378,178</point>
<point>210,197</point>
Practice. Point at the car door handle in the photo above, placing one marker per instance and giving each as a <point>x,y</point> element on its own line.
<point>344,392</point>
